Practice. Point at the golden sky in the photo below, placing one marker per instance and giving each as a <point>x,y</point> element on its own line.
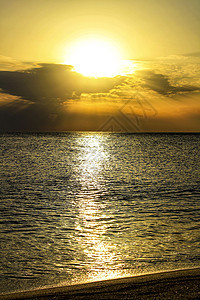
<point>159,40</point>
<point>42,30</point>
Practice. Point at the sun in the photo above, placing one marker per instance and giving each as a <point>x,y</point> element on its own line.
<point>95,58</point>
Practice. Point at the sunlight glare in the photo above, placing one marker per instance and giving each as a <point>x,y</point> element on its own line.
<point>95,58</point>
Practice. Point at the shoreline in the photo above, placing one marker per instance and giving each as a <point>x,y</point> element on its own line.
<point>177,284</point>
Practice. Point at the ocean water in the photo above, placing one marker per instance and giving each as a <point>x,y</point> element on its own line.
<point>79,207</point>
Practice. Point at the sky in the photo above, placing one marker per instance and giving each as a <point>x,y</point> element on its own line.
<point>41,89</point>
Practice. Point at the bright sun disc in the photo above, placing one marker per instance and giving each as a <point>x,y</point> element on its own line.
<point>95,58</point>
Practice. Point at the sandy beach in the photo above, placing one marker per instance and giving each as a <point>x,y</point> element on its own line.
<point>180,284</point>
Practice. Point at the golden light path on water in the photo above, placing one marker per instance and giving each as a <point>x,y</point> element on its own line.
<point>117,233</point>
<point>93,219</point>
<point>97,206</point>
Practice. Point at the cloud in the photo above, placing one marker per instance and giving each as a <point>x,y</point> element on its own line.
<point>161,84</point>
<point>181,70</point>
<point>10,64</point>
<point>39,96</point>
<point>51,82</point>
<point>160,95</point>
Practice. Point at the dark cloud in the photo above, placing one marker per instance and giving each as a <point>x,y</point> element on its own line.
<point>15,117</point>
<point>161,84</point>
<point>42,95</point>
<point>50,82</point>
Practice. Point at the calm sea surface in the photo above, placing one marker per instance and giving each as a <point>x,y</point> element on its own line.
<point>82,207</point>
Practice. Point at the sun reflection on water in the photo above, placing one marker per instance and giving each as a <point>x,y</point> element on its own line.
<point>98,248</point>
<point>97,206</point>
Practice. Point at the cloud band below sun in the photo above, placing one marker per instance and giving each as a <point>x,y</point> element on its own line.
<point>50,97</point>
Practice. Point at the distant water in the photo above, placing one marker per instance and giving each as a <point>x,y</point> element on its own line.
<point>82,207</point>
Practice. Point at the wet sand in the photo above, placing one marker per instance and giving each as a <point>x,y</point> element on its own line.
<point>181,284</point>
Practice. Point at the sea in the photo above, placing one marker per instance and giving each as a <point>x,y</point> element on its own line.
<point>81,207</point>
